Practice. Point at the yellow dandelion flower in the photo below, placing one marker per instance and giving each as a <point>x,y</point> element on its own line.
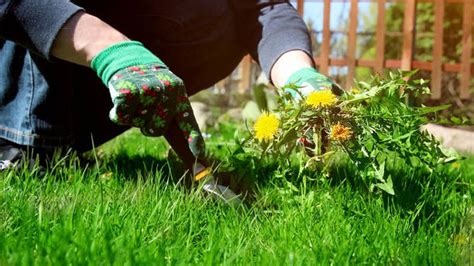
<point>321,98</point>
<point>266,127</point>
<point>456,165</point>
<point>340,132</point>
<point>356,91</point>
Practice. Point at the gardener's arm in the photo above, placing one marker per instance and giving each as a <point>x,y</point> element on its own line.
<point>288,63</point>
<point>35,24</point>
<point>272,28</point>
<point>77,43</point>
<point>56,28</point>
<point>277,37</point>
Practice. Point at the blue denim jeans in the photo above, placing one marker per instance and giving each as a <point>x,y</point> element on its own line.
<point>28,113</point>
<point>50,104</point>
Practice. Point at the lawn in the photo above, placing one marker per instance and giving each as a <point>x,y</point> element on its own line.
<point>134,207</point>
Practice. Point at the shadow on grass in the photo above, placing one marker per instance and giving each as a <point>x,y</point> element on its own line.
<point>426,197</point>
<point>133,167</point>
<point>172,170</point>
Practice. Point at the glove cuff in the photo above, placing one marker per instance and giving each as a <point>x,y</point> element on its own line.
<point>122,55</point>
<point>304,74</point>
<point>308,80</point>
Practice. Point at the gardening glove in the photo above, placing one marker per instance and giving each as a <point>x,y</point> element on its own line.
<point>309,80</point>
<point>145,93</point>
<point>209,185</point>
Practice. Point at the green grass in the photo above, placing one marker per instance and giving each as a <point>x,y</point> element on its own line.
<point>133,208</point>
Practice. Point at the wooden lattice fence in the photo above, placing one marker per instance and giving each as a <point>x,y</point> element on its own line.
<point>323,60</point>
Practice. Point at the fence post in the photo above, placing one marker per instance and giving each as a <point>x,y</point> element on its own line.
<point>244,83</point>
<point>352,44</point>
<point>466,49</point>
<point>408,34</point>
<point>324,65</point>
<point>380,37</point>
<point>408,40</point>
<point>300,8</point>
<point>436,65</point>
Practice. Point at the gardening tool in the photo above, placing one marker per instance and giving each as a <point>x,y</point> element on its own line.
<point>209,185</point>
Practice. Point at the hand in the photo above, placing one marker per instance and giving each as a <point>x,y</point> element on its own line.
<point>309,80</point>
<point>150,97</point>
<point>146,94</point>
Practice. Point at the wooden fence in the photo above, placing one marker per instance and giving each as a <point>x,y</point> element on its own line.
<point>323,60</point>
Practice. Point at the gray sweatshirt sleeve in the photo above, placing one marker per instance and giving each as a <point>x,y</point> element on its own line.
<point>273,27</point>
<point>34,23</point>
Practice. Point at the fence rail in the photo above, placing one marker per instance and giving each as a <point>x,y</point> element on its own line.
<point>464,66</point>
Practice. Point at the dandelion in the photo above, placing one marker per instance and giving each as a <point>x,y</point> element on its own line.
<point>356,91</point>
<point>321,98</point>
<point>340,132</point>
<point>456,165</point>
<point>266,127</point>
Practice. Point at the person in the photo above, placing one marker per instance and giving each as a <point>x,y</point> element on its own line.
<point>53,50</point>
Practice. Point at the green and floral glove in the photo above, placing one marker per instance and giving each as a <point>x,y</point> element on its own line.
<point>309,80</point>
<point>145,93</point>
